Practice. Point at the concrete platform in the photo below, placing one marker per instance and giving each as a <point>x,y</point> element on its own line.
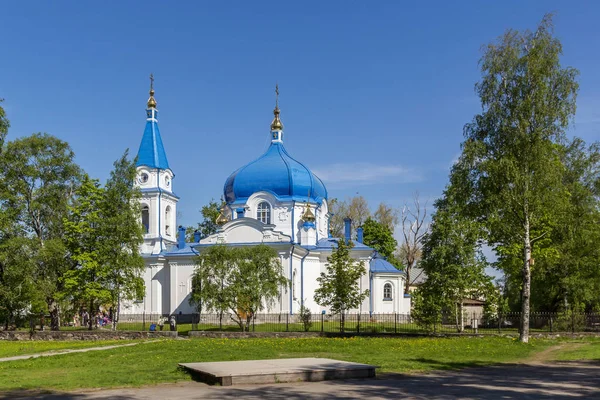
<point>229,373</point>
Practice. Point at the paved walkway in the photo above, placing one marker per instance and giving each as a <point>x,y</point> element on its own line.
<point>517,381</point>
<point>68,351</point>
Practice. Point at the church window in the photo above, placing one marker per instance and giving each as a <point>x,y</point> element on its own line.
<point>263,213</point>
<point>387,291</point>
<point>146,218</point>
<point>144,178</point>
<point>168,220</point>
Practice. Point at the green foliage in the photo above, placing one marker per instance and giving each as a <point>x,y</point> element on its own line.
<point>305,317</point>
<point>17,285</point>
<point>208,226</point>
<point>37,179</point>
<point>511,169</point>
<point>452,261</point>
<point>339,287</point>
<point>103,234</point>
<point>427,310</point>
<point>4,125</point>
<point>380,237</point>
<point>83,235</point>
<point>241,280</point>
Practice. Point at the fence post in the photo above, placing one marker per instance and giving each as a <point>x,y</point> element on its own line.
<point>395,322</point>
<point>287,322</point>
<point>322,321</point>
<point>358,324</point>
<point>143,321</point>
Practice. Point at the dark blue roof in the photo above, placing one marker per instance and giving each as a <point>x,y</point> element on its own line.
<point>152,153</point>
<point>380,264</point>
<point>276,172</point>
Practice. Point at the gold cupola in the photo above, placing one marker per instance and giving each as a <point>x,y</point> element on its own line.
<point>151,99</point>
<point>222,219</point>
<point>308,215</point>
<point>276,125</point>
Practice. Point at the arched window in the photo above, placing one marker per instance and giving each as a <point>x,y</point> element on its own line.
<point>146,218</point>
<point>168,220</point>
<point>263,213</point>
<point>387,291</point>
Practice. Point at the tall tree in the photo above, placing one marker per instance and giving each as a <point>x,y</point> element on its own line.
<point>413,220</point>
<point>339,211</point>
<point>380,238</point>
<point>123,234</point>
<point>453,262</point>
<point>87,282</point>
<point>40,174</point>
<point>242,280</point>
<point>511,156</point>
<point>387,216</point>
<point>339,287</point>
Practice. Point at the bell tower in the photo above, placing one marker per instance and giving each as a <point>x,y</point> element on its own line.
<point>155,179</point>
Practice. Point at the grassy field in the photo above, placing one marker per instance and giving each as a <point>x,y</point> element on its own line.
<point>588,349</point>
<point>18,348</point>
<point>152,363</point>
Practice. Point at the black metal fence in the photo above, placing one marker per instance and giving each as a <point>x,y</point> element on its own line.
<point>352,322</point>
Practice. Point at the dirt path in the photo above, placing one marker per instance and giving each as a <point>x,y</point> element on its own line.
<point>548,355</point>
<point>69,351</point>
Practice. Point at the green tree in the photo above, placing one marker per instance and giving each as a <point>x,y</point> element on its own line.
<point>511,157</point>
<point>241,280</point>
<point>453,262</point>
<point>17,285</point>
<point>380,238</point>
<point>38,177</point>
<point>86,283</point>
<point>210,212</point>
<point>339,287</point>
<point>4,125</point>
<point>123,234</point>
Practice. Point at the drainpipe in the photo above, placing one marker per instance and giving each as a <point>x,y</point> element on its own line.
<point>293,230</point>
<point>302,279</point>
<point>291,279</point>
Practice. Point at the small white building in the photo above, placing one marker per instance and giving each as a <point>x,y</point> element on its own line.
<point>275,200</point>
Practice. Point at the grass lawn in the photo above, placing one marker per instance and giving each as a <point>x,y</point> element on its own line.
<point>9,348</point>
<point>152,363</point>
<point>588,349</point>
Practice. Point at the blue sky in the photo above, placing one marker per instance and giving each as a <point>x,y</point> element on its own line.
<point>374,94</point>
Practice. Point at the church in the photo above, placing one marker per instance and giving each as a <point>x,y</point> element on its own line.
<point>273,199</point>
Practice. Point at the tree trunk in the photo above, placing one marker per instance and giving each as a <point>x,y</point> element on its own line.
<point>456,324</point>
<point>408,270</point>
<point>526,290</point>
<point>54,314</point>
<point>462,316</point>
<point>92,317</point>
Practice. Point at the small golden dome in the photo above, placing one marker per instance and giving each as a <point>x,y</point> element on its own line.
<point>222,218</point>
<point>151,101</point>
<point>276,125</point>
<point>308,215</point>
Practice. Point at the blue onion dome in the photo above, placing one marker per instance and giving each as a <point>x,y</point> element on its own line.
<point>278,173</point>
<point>275,172</point>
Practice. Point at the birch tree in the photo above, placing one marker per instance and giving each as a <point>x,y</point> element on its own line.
<point>511,157</point>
